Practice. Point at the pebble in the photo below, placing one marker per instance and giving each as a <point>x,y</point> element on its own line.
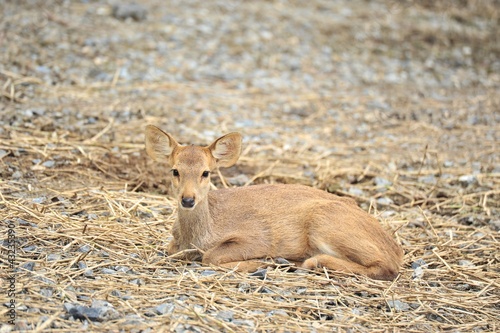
<point>99,311</point>
<point>398,305</point>
<point>49,164</point>
<point>260,273</point>
<point>418,263</point>
<point>129,11</point>
<point>382,182</point>
<point>208,272</point>
<point>84,248</point>
<point>53,257</point>
<point>466,263</point>
<point>385,201</point>
<point>29,266</point>
<point>356,191</point>
<point>467,180</point>
<point>239,180</point>
<point>226,315</point>
<point>165,308</point>
<point>139,282</point>
<point>108,271</point>
<point>17,175</point>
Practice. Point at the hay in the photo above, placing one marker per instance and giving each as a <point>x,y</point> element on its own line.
<point>93,217</point>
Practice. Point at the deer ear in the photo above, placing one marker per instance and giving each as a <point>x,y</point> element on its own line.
<point>227,149</point>
<point>158,143</point>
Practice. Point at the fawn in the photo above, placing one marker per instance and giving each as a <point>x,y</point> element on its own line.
<point>235,227</point>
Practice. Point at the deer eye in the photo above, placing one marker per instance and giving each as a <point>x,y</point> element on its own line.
<point>175,172</point>
<point>205,174</point>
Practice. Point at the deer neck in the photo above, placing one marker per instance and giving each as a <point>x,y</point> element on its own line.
<point>195,226</point>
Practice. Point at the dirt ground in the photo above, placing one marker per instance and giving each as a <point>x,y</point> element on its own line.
<point>393,103</point>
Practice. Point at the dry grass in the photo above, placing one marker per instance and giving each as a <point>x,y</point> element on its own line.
<point>77,184</point>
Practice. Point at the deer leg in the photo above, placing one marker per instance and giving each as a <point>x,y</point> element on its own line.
<point>236,253</point>
<point>376,270</point>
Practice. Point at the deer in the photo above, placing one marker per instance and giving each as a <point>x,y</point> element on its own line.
<point>240,227</point>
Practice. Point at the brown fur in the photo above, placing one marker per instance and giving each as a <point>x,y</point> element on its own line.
<point>235,227</point>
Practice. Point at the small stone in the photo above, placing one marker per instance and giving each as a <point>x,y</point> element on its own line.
<point>29,266</point>
<point>133,11</point>
<point>417,273</point>
<point>88,273</point>
<point>17,175</point>
<point>84,248</point>
<point>138,282</point>
<point>99,311</point>
<point>49,164</point>
<point>53,257</point>
<point>46,292</point>
<point>208,272</point>
<point>260,273</point>
<point>466,263</point>
<point>417,263</point>
<point>448,164</point>
<point>356,191</point>
<point>3,153</point>
<point>30,248</point>
<point>239,180</point>
<point>467,180</point>
<point>385,201</point>
<point>108,271</point>
<point>165,308</point>
<point>398,306</point>
<point>281,261</point>
<point>429,179</point>
<point>39,200</point>
<point>278,312</point>
<point>382,182</point>
<point>226,315</point>
<point>123,269</point>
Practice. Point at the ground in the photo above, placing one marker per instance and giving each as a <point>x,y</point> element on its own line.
<point>393,103</point>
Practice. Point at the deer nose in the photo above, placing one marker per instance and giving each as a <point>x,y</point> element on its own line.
<point>187,202</point>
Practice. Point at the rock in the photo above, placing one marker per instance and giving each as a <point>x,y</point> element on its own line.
<point>46,292</point>
<point>30,248</point>
<point>467,180</point>
<point>139,282</point>
<point>99,311</point>
<point>108,271</point>
<point>417,273</point>
<point>29,266</point>
<point>208,272</point>
<point>428,179</point>
<point>356,191</point>
<point>84,248</point>
<point>17,175</point>
<point>53,257</point>
<point>398,305</point>
<point>260,273</point>
<point>239,180</point>
<point>49,164</point>
<point>165,308</point>
<point>466,263</point>
<point>385,201</point>
<point>281,261</point>
<point>225,315</point>
<point>129,11</point>
<point>382,182</point>
<point>417,263</point>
